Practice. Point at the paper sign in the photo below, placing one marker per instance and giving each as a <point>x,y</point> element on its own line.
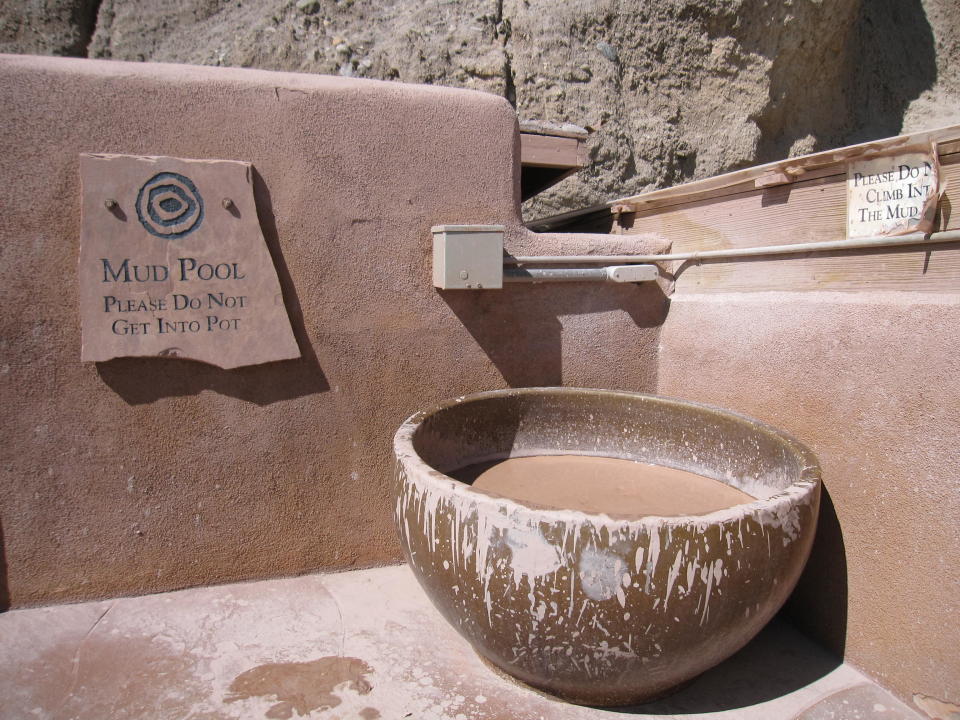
<point>892,195</point>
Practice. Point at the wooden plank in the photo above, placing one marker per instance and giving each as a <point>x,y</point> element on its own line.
<point>949,154</point>
<point>829,162</point>
<point>835,171</point>
<point>805,211</point>
<point>545,127</point>
<point>551,151</point>
<point>935,270</point>
<point>816,165</point>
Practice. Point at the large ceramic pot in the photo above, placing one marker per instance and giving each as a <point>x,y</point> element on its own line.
<point>602,609</point>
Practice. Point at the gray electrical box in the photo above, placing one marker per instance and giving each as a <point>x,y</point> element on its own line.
<point>467,257</point>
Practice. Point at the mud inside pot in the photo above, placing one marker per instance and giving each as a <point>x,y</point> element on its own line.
<point>612,486</point>
<point>605,608</point>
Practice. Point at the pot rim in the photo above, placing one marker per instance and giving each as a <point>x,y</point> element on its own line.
<point>808,481</point>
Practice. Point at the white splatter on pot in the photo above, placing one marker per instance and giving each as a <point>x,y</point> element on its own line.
<point>597,609</point>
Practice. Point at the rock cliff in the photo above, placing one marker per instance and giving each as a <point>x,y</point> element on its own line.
<point>674,89</point>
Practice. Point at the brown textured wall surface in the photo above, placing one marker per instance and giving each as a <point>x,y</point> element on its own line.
<point>869,382</point>
<point>138,475</point>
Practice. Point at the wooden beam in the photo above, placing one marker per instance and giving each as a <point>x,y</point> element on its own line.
<point>781,172</point>
<point>805,210</point>
<point>552,152</point>
<point>548,155</point>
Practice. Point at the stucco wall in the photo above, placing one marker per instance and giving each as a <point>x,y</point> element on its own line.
<point>869,381</point>
<point>137,475</point>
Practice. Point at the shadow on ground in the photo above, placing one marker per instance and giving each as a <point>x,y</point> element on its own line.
<point>818,605</point>
<point>779,661</point>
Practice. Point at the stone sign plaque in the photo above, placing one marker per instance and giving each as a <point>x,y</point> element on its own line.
<point>893,194</point>
<point>173,264</point>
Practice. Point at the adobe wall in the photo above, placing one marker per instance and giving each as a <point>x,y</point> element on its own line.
<point>856,353</point>
<point>868,380</point>
<point>139,475</point>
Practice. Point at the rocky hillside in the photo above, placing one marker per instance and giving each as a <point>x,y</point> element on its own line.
<point>674,89</point>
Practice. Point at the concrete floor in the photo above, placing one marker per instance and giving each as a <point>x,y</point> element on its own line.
<point>354,646</point>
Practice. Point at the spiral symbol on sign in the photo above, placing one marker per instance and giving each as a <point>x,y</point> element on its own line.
<point>169,206</point>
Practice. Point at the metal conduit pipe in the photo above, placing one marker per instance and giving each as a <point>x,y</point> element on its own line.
<point>613,273</point>
<point>824,246</point>
<point>555,275</point>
